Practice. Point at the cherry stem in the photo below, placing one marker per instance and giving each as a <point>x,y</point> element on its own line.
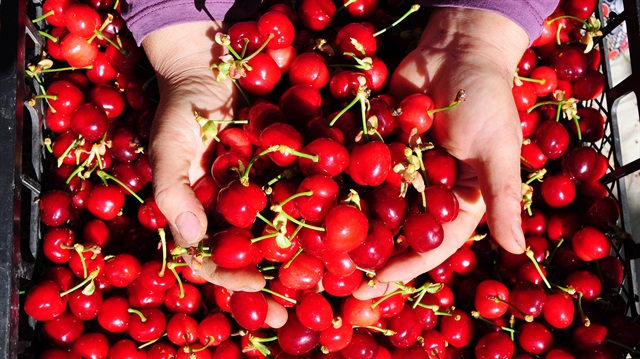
<point>290,300</point>
<point>104,176</point>
<point>529,79</point>
<point>585,320</point>
<point>369,272</point>
<point>49,36</point>
<point>385,332</point>
<point>569,290</point>
<point>555,250</point>
<point>282,149</point>
<point>349,2</point>
<point>139,313</point>
<point>527,317</point>
<point>67,150</point>
<point>172,267</point>
<point>46,98</point>
<point>244,95</point>
<point>79,248</point>
<point>86,280</point>
<point>116,4</point>
<point>268,222</point>
<point>266,236</point>
<point>44,16</point>
<point>558,30</point>
<point>69,68</point>
<point>150,342</point>
<point>292,197</point>
<point>461,96</point>
<point>477,315</point>
<point>411,10</point>
<point>98,32</point>
<point>584,23</point>
<point>259,50</point>
<point>114,44</point>
<point>363,113</point>
<point>301,223</point>
<point>530,254</point>
<point>575,121</point>
<point>286,265</point>
<point>345,109</point>
<point>538,104</point>
<point>286,174</point>
<point>537,175</point>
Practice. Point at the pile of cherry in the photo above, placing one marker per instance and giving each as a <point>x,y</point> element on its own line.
<point>319,180</point>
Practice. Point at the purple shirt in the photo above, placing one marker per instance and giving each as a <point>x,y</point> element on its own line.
<point>146,16</point>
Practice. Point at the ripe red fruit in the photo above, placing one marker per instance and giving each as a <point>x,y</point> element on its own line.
<point>558,190</point>
<point>370,164</point>
<point>240,204</point>
<point>278,24</point>
<point>423,232</point>
<point>590,244</point>
<point>249,309</point>
<point>314,311</point>
<point>346,228</point>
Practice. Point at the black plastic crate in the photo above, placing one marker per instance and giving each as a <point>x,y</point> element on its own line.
<point>21,158</point>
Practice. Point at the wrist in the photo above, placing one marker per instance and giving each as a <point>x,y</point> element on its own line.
<point>464,32</point>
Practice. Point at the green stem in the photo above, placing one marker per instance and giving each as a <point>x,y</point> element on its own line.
<point>530,254</point>
<point>299,194</point>
<point>49,36</point>
<point>86,280</point>
<point>44,16</point>
<point>555,250</point>
<point>104,175</point>
<point>261,217</point>
<point>556,103</point>
<point>138,313</point>
<point>69,68</point>
<point>286,265</point>
<point>345,109</point>
<point>290,300</point>
<point>172,267</point>
<point>259,50</point>
<point>413,9</point>
<point>303,224</point>
<point>258,239</point>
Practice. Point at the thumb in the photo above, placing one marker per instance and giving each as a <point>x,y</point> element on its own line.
<point>247,279</point>
<point>499,178</point>
<point>172,150</point>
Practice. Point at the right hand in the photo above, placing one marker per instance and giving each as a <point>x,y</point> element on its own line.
<point>181,56</point>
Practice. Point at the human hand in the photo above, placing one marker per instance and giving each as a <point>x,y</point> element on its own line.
<point>478,51</point>
<point>181,55</point>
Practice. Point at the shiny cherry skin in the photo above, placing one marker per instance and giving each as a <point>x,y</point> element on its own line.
<point>423,232</point>
<point>346,228</point>
<point>249,309</point>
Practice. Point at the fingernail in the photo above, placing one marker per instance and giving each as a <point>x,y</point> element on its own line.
<point>189,227</point>
<point>516,229</point>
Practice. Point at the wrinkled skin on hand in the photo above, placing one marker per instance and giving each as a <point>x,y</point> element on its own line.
<point>477,51</point>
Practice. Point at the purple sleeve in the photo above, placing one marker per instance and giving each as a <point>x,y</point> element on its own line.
<point>145,16</point>
<point>529,14</point>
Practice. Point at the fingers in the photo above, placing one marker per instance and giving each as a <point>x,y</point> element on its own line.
<point>172,149</point>
<point>408,265</point>
<point>500,183</point>
<point>247,279</point>
<point>276,314</point>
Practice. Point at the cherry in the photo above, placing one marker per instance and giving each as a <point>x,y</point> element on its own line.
<point>124,145</point>
<point>214,329</point>
<point>524,95</point>
<point>57,243</point>
<point>527,299</point>
<point>491,299</point>
<point>67,97</point>
<point>584,164</point>
<point>586,284</point>
<point>441,167</point>
<point>282,134</point>
<point>423,232</point>
<point>441,203</point>
<point>532,156</point>
<point>494,345</point>
<point>344,85</point>
<point>589,87</point>
<point>55,10</point>
<point>263,77</point>
<point>377,248</point>
<point>558,310</point>
<point>82,20</point>
<point>114,316</point>
<point>125,59</point>
<point>295,338</point>
<point>579,8</point>
<point>283,57</point>
<point>249,309</point>
<point>406,326</point>
<point>97,232</point>
<point>108,99</point>
<point>182,329</point>
<point>44,302</point>
<point>357,39</point>
<point>126,348</point>
<point>528,61</point>
<point>534,338</point>
<point>558,191</point>
<point>603,212</point>
<point>413,112</point>
<point>63,330</point>
<point>590,244</point>
<point>316,15</point>
<point>147,324</point>
<point>244,35</point>
<point>301,103</point>
<point>105,202</point>
<point>240,204</point>
<point>186,300</point>
<point>341,286</point>
<point>370,163</point>
<point>315,207</point>
<point>360,312</point>
<point>569,63</point>
<point>314,311</point>
<point>77,51</point>
<point>303,272</point>
<point>591,124</point>
<point>276,23</point>
<point>529,122</point>
<point>346,228</point>
<point>552,138</point>
<point>336,337</point>
<point>590,338</point>
<point>232,249</point>
<point>89,121</point>
<point>363,345</point>
<point>333,158</point>
<point>91,345</point>
<point>85,306</point>
<point>151,279</point>
<point>458,328</point>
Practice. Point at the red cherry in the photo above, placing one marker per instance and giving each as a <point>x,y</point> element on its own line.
<point>263,77</point>
<point>232,249</point>
<point>524,95</point>
<point>558,310</point>
<point>413,113</point>
<point>360,312</point>
<point>85,306</point>
<point>341,286</point>
<point>314,311</point>
<point>309,68</point>
<point>182,329</point>
<point>491,299</point>
<point>91,345</point>
<point>527,62</point>
<point>58,9</point>
<point>63,330</point>
<point>214,329</point>
<point>152,327</point>
<point>346,228</point>
<point>126,348</point>
<point>82,20</point>
<point>295,338</point>
<point>458,328</point>
<point>105,202</point>
<point>569,63</point>
<point>590,244</point>
<point>495,345</point>
<point>89,121</point>
<point>304,272</point>
<point>336,337</point>
<point>357,39</point>
<point>558,190</point>
<point>423,232</point>
<point>77,51</point>
<point>406,326</point>
<point>68,96</point>
<point>441,167</point>
<point>240,204</point>
<point>370,163</point>
<point>333,158</point>
<point>114,316</point>
<point>278,24</point>
<point>249,309</point>
<point>316,15</point>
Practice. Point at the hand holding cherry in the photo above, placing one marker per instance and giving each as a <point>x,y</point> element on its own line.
<point>176,148</point>
<point>466,49</point>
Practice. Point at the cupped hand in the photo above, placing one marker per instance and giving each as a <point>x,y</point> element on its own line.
<point>477,51</point>
<point>182,55</point>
